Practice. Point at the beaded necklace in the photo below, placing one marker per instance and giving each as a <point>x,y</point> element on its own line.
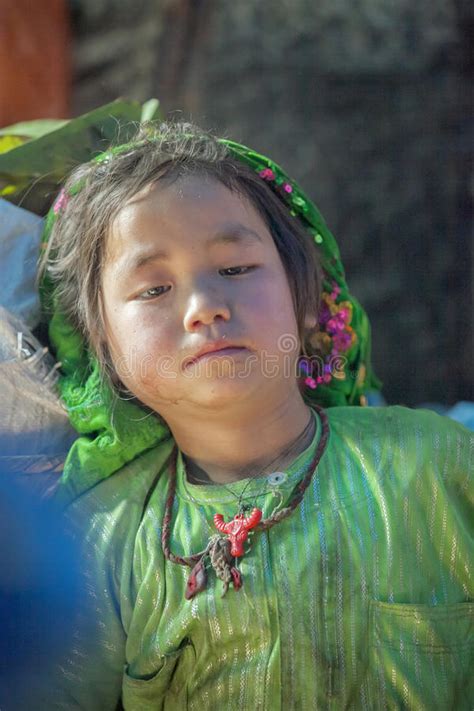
<point>224,547</point>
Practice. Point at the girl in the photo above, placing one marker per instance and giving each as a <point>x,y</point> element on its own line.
<point>243,547</point>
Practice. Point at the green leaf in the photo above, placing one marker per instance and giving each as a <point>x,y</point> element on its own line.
<point>31,172</point>
<point>150,110</point>
<point>33,129</point>
<point>7,143</point>
<point>7,190</point>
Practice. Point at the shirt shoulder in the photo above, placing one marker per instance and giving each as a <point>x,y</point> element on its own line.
<point>405,444</point>
<point>385,417</point>
<point>107,517</point>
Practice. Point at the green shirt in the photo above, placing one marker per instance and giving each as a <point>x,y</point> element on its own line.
<point>361,599</point>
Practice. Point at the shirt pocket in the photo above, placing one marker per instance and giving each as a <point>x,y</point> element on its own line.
<point>421,656</point>
<point>165,689</point>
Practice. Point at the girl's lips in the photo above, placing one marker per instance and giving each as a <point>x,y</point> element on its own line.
<point>230,351</point>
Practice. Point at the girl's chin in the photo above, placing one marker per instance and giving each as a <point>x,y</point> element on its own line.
<point>210,392</point>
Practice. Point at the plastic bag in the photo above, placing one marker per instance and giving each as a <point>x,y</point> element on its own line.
<point>20,235</point>
<point>35,433</point>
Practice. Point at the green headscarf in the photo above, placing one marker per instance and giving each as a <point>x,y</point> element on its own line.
<point>115,431</point>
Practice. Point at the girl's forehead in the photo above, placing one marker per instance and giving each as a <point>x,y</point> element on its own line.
<point>192,191</point>
<point>197,207</point>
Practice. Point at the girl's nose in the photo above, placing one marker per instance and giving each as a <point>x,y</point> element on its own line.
<point>204,308</point>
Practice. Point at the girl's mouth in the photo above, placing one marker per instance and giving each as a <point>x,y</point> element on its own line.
<point>219,352</point>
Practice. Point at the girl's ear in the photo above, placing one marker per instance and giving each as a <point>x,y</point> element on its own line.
<point>310,322</point>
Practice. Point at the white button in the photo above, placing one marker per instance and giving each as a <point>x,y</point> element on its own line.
<point>276,478</point>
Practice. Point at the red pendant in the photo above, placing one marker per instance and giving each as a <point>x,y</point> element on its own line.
<point>237,529</point>
<point>197,580</point>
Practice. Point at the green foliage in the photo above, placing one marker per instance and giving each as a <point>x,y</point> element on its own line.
<point>35,156</point>
<point>28,130</point>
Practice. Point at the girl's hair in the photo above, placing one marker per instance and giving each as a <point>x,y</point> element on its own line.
<point>166,152</point>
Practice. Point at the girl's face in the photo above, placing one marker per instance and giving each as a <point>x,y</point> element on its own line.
<point>192,266</point>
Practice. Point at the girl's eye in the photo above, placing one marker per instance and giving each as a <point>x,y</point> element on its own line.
<point>236,271</point>
<point>153,292</point>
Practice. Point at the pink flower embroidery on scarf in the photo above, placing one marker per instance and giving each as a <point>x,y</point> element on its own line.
<point>60,202</point>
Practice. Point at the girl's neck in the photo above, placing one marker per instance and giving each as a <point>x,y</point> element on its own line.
<point>222,452</point>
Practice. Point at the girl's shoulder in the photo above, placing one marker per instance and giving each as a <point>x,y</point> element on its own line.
<point>117,503</point>
<point>394,420</point>
<point>406,443</point>
<point>106,519</point>
<point>390,413</point>
<point>132,481</point>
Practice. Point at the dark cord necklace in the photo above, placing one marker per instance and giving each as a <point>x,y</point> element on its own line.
<point>223,550</point>
<point>285,455</point>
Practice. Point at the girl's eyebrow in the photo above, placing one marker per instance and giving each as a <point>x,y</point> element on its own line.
<point>233,233</point>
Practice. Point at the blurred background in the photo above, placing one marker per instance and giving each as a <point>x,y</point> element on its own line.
<point>366,102</point>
